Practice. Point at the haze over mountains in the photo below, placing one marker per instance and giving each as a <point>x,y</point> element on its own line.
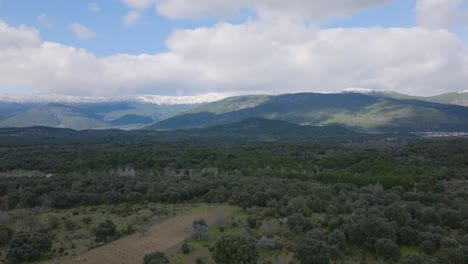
<point>360,110</point>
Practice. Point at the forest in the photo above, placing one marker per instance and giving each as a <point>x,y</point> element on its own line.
<point>333,200</point>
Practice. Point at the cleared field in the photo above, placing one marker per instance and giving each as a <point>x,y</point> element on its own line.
<point>160,237</point>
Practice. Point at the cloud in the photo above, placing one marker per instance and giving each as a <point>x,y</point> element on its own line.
<point>299,9</point>
<point>139,4</point>
<point>440,13</point>
<point>266,56</point>
<point>42,18</point>
<point>94,8</point>
<point>82,32</point>
<point>131,18</point>
<point>17,38</point>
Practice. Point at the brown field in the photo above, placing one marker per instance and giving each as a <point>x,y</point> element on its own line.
<point>160,237</point>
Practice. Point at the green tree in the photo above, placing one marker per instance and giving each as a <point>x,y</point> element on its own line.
<point>251,222</point>
<point>28,247</point>
<point>105,230</point>
<point>156,258</point>
<point>312,250</point>
<point>235,249</point>
<point>298,223</point>
<point>387,248</point>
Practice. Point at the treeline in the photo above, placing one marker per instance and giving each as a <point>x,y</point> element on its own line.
<point>389,163</point>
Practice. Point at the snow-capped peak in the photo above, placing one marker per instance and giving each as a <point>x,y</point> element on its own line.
<point>359,90</point>
<point>152,99</point>
<point>175,100</point>
<point>466,91</point>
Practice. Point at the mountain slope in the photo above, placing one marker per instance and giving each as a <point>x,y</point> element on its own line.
<point>360,112</point>
<point>87,115</point>
<point>53,115</point>
<point>460,98</point>
<point>274,128</point>
<point>94,112</point>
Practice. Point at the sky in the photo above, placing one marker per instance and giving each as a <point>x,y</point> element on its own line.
<point>184,47</point>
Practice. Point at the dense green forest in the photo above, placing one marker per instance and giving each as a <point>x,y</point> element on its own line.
<point>337,200</point>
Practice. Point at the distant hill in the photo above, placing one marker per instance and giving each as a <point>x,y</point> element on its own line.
<point>87,115</point>
<point>129,112</point>
<point>359,112</point>
<point>274,128</point>
<point>460,98</point>
<point>250,129</point>
<point>362,110</point>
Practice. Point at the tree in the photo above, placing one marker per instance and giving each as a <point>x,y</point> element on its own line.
<point>430,216</point>
<point>200,229</point>
<point>367,228</point>
<point>298,205</point>
<point>235,249</point>
<point>298,223</point>
<point>387,248</point>
<point>105,230</point>
<point>337,238</point>
<point>427,247</point>
<point>156,258</point>
<point>28,247</point>
<point>397,213</point>
<point>252,222</point>
<point>311,250</point>
<point>407,235</point>
<point>451,218</point>
<point>185,248</point>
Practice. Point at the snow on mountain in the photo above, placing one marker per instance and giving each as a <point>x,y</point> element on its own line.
<point>466,91</point>
<point>359,90</point>
<point>152,99</point>
<point>175,100</point>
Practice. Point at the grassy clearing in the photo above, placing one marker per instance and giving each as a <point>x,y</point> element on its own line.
<point>72,242</point>
<point>409,249</point>
<point>159,237</point>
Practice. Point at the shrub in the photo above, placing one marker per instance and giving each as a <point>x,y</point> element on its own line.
<point>234,249</point>
<point>185,248</point>
<point>105,230</point>
<point>311,250</point>
<point>28,247</point>
<point>156,258</point>
<point>387,248</point>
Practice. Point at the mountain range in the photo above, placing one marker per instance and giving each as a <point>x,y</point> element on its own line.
<point>360,110</point>
<point>94,112</point>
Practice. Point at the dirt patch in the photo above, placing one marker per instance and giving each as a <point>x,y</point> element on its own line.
<point>160,237</point>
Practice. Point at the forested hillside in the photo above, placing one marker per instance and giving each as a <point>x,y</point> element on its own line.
<point>318,201</point>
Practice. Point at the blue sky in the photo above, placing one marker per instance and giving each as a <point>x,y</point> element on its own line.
<point>151,31</point>
<point>196,47</point>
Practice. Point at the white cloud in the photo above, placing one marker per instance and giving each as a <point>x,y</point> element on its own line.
<point>17,38</point>
<point>131,18</point>
<point>94,8</point>
<point>42,18</point>
<point>440,13</point>
<point>299,9</point>
<point>82,32</point>
<point>139,4</point>
<point>269,56</point>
